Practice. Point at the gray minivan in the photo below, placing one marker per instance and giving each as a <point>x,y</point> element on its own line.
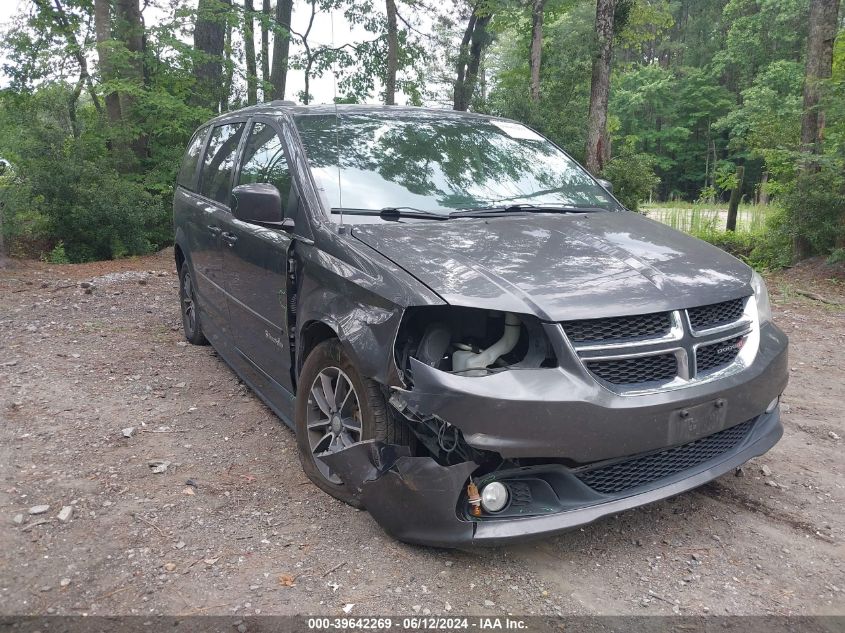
<point>470,336</point>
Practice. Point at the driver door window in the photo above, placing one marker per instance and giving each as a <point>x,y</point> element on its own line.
<point>264,161</point>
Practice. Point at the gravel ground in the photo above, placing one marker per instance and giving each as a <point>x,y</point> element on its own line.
<point>232,526</point>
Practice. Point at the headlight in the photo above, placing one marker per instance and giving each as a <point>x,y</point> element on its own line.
<point>761,295</point>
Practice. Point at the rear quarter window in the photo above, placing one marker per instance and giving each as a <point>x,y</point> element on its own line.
<point>191,159</point>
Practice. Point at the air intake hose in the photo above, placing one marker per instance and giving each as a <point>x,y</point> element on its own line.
<point>463,360</point>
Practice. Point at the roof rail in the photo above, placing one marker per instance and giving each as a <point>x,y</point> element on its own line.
<point>281,102</point>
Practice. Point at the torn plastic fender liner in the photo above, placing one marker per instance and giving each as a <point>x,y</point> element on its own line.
<point>414,499</point>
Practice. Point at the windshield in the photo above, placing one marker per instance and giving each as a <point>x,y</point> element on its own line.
<point>432,162</point>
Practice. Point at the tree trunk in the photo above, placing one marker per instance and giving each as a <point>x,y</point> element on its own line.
<point>129,29</point>
<point>102,28</point>
<point>228,69</point>
<point>480,39</point>
<point>249,53</point>
<point>75,49</point>
<point>736,194</point>
<point>392,54</point>
<point>764,195</point>
<point>537,7</point>
<point>600,88</point>
<point>471,60</point>
<point>266,15</point>
<point>209,40</point>
<point>463,55</point>
<point>306,94</point>
<point>822,32</point>
<point>823,23</point>
<point>281,48</point>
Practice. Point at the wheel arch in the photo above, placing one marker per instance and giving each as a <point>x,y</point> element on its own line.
<point>312,334</point>
<point>181,253</point>
<point>179,256</point>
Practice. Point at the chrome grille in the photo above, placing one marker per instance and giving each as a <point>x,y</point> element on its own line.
<point>716,314</point>
<point>629,371</point>
<point>645,469</point>
<point>718,354</point>
<point>660,349</point>
<point>618,328</point>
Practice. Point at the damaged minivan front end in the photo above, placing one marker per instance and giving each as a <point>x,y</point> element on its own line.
<point>523,429</point>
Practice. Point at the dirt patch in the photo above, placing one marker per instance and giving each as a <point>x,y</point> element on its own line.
<point>232,526</point>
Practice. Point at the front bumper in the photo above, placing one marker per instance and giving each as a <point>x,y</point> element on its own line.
<point>563,413</point>
<point>417,500</point>
<point>568,425</point>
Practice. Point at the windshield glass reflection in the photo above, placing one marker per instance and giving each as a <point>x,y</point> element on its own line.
<point>439,162</point>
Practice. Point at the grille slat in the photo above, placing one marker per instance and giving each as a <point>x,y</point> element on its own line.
<point>645,469</point>
<point>626,371</point>
<point>716,314</point>
<point>718,354</point>
<point>618,328</point>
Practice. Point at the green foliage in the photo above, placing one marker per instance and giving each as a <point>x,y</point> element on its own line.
<point>837,256</point>
<point>697,87</point>
<point>68,198</point>
<point>57,255</point>
<point>815,206</point>
<point>633,178</point>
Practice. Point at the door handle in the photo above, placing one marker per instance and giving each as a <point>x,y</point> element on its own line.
<point>215,230</point>
<point>230,238</point>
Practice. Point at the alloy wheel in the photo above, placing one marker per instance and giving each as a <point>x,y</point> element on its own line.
<point>189,314</point>
<point>334,417</point>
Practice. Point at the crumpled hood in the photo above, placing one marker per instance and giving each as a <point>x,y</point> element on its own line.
<point>561,267</point>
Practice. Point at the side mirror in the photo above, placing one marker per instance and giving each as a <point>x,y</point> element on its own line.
<point>260,203</point>
<point>606,184</point>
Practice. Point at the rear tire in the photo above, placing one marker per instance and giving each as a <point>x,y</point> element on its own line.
<point>328,417</point>
<point>190,307</point>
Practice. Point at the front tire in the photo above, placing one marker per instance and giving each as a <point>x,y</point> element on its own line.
<point>335,408</point>
<point>189,307</point>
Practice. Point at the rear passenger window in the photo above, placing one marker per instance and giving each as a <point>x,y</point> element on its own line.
<point>192,157</point>
<point>264,161</point>
<point>219,162</point>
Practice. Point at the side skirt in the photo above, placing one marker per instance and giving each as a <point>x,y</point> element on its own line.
<point>279,399</point>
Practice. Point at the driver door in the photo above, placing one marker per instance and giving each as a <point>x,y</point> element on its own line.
<point>255,262</point>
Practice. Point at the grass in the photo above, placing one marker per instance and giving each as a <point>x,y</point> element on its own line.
<point>756,240</point>
<point>698,219</point>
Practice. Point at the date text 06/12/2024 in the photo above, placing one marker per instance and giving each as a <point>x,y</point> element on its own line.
<point>416,623</point>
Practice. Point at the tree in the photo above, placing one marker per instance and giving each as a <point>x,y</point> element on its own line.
<point>209,42</point>
<point>819,64</point>
<point>824,16</point>
<point>392,53</point>
<point>102,22</point>
<point>249,53</point>
<point>266,16</point>
<point>281,45</point>
<point>537,7</point>
<point>598,146</point>
<point>476,38</point>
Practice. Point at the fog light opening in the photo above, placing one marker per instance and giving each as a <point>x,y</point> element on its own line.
<point>773,405</point>
<point>494,497</point>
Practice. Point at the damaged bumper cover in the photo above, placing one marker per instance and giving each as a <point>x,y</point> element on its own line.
<point>562,413</point>
<point>417,500</point>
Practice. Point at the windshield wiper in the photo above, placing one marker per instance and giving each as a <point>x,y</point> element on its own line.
<point>394,213</point>
<point>522,207</point>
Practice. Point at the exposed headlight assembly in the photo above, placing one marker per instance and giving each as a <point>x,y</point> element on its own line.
<point>761,296</point>
<point>472,341</point>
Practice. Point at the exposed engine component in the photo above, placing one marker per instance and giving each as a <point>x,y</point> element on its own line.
<point>434,344</point>
<point>464,358</point>
<point>471,341</point>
